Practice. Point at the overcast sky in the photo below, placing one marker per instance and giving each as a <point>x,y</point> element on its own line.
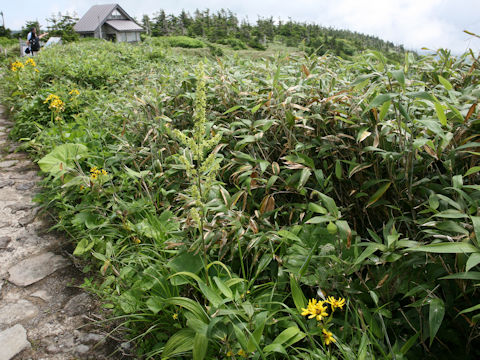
<point>413,23</point>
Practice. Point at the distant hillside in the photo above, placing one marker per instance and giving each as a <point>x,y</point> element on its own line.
<point>224,27</point>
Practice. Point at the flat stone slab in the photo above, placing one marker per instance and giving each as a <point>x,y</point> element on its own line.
<point>4,240</point>
<point>4,183</point>
<point>12,341</point>
<point>12,313</point>
<point>41,294</point>
<point>7,163</point>
<point>34,269</point>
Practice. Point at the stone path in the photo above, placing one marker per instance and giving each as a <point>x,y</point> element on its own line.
<point>43,312</point>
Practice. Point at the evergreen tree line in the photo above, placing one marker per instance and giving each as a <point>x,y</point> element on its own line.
<point>224,27</point>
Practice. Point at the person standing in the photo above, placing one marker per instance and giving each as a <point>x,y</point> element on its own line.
<point>33,41</point>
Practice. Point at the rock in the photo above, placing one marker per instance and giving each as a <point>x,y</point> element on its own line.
<point>25,186</point>
<point>4,224</point>
<point>16,312</point>
<point>41,294</point>
<point>52,349</point>
<point>12,341</point>
<point>34,269</point>
<point>79,304</point>
<point>27,219</point>
<point>67,342</point>
<point>81,349</point>
<point>91,338</point>
<point>7,163</point>
<point>4,240</point>
<point>25,168</point>
<point>19,207</point>
<point>4,183</point>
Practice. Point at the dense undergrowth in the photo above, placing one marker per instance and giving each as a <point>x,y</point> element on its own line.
<point>216,197</point>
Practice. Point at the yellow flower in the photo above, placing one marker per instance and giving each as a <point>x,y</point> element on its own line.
<point>93,169</point>
<point>328,337</point>
<point>136,240</point>
<point>50,97</point>
<point>31,62</point>
<point>56,104</point>
<point>74,92</point>
<point>104,172</point>
<point>336,303</point>
<point>175,316</point>
<point>82,187</point>
<point>17,65</point>
<point>315,309</point>
<point>242,353</point>
<point>229,353</point>
<point>93,176</point>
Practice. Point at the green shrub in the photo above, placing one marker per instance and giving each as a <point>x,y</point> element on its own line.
<point>355,179</point>
<point>235,44</point>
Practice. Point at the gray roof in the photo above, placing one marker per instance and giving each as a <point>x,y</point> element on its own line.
<point>124,25</point>
<point>97,15</point>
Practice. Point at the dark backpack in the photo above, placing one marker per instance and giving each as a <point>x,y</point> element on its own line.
<point>34,43</point>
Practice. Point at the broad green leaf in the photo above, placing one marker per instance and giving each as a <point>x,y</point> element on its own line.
<point>435,317</point>
<point>83,246</point>
<point>304,176</point>
<point>384,110</point>
<point>275,348</point>
<point>136,174</point>
<point>378,194</point>
<point>399,76</point>
<point>329,204</point>
<point>472,170</point>
<point>254,340</point>
<point>297,294</point>
<point>256,107</point>
<point>210,294</point>
<point>233,108</point>
<point>380,99</point>
<point>470,309</point>
<point>447,248</point>
<point>223,288</point>
<point>194,307</point>
<point>369,250</point>
<point>471,275</point>
<point>338,169</point>
<point>403,111</point>
<point>180,342</point>
<point>441,113</point>
<point>410,342</point>
<point>287,334</point>
<point>62,158</point>
<point>320,219</point>
<point>446,84</point>
<point>155,304</point>
<point>240,336</point>
<point>472,261</point>
<point>317,208</point>
<point>422,95</point>
<point>200,345</point>
<point>186,261</point>
<point>476,228</point>
<point>289,235</point>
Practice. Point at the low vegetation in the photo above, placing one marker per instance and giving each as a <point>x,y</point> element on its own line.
<point>284,207</point>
